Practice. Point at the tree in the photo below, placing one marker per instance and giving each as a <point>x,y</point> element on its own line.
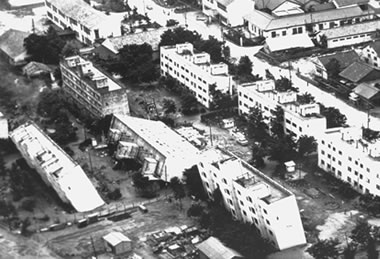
<point>277,123</point>
<point>24,227</point>
<point>145,187</point>
<point>306,145</point>
<point>371,248</point>
<point>349,251</point>
<point>333,117</point>
<point>305,98</point>
<point>194,183</point>
<point>257,159</point>
<point>6,209</point>
<point>282,150</point>
<point>245,66</point>
<point>169,106</point>
<point>333,67</point>
<point>221,100</point>
<point>44,48</point>
<point>195,210</point>
<point>212,46</point>
<point>179,190</point>
<point>284,84</point>
<point>3,169</point>
<point>71,48</point>
<point>257,128</point>
<point>361,233</point>
<point>324,249</point>
<point>177,36</point>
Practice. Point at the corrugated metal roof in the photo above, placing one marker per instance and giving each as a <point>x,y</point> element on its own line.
<point>357,71</point>
<point>345,58</point>
<point>214,249</point>
<point>115,238</point>
<point>366,90</point>
<point>354,29</point>
<point>292,41</point>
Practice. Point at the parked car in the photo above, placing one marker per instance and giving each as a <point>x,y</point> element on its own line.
<point>201,18</point>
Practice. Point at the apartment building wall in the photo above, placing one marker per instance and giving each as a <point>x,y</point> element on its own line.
<point>349,160</point>
<point>370,56</point>
<point>349,39</point>
<point>93,96</point>
<point>84,33</point>
<point>194,71</point>
<point>268,100</point>
<point>275,220</point>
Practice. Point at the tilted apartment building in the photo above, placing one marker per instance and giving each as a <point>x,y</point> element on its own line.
<point>348,156</point>
<point>92,89</point>
<point>194,71</point>
<point>57,169</point>
<point>162,151</point>
<point>89,24</point>
<point>299,119</point>
<point>252,197</point>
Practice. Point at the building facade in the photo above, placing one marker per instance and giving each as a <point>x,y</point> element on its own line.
<point>370,54</point>
<point>91,89</point>
<point>344,153</point>
<point>229,12</point>
<point>163,153</point>
<point>57,169</point>
<point>3,126</point>
<point>299,119</point>
<point>89,24</point>
<point>252,197</point>
<point>194,71</point>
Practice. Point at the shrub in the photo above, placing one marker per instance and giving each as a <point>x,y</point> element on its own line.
<point>28,205</point>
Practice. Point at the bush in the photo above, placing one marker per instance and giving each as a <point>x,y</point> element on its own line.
<point>28,205</point>
<point>115,194</point>
<point>195,210</point>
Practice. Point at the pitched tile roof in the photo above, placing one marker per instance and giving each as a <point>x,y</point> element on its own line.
<point>366,90</point>
<point>353,29</point>
<point>345,58</point>
<point>80,11</point>
<point>357,71</point>
<point>151,37</point>
<point>12,42</point>
<point>267,22</point>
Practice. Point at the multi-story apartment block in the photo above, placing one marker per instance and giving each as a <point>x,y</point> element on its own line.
<point>57,169</point>
<point>299,119</point>
<point>252,197</point>
<point>195,71</point>
<point>92,89</point>
<point>88,23</point>
<point>163,152</point>
<point>230,12</point>
<point>350,157</point>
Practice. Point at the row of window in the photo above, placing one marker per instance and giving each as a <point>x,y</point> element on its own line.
<point>352,37</point>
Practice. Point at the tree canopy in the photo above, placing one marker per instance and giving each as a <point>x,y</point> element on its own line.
<point>305,98</point>
<point>277,123</point>
<point>325,249</point>
<point>334,118</point>
<point>44,48</point>
<point>194,183</point>
<point>333,67</point>
<point>282,149</point>
<point>306,145</point>
<point>245,66</point>
<point>256,125</point>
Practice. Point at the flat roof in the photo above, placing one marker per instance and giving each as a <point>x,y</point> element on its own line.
<point>60,167</point>
<point>115,238</point>
<point>245,174</point>
<point>112,85</point>
<point>165,140</point>
<point>351,30</point>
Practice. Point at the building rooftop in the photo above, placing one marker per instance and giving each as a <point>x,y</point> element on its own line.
<point>91,73</point>
<point>115,238</point>
<point>151,37</point>
<point>225,2</point>
<point>245,174</point>
<point>80,11</point>
<point>59,167</point>
<point>351,138</point>
<point>344,3</point>
<point>214,249</point>
<point>376,46</point>
<point>367,90</point>
<point>12,42</point>
<point>292,41</point>
<point>165,140</point>
<point>353,29</point>
<point>345,58</point>
<point>357,71</point>
<point>267,22</point>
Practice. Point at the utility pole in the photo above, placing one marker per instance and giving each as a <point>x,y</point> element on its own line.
<point>93,247</point>
<point>33,27</point>
<point>290,72</point>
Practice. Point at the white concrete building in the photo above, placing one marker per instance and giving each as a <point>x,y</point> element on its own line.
<point>371,53</point>
<point>229,12</point>
<point>88,23</point>
<point>299,119</point>
<point>92,89</point>
<point>56,168</point>
<point>252,197</point>
<point>351,158</point>
<point>194,71</point>
<point>163,152</point>
<point>3,126</point>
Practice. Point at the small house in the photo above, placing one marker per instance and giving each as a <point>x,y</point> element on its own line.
<point>117,243</point>
<point>34,69</point>
<point>228,123</point>
<point>212,248</point>
<point>12,47</point>
<point>359,72</point>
